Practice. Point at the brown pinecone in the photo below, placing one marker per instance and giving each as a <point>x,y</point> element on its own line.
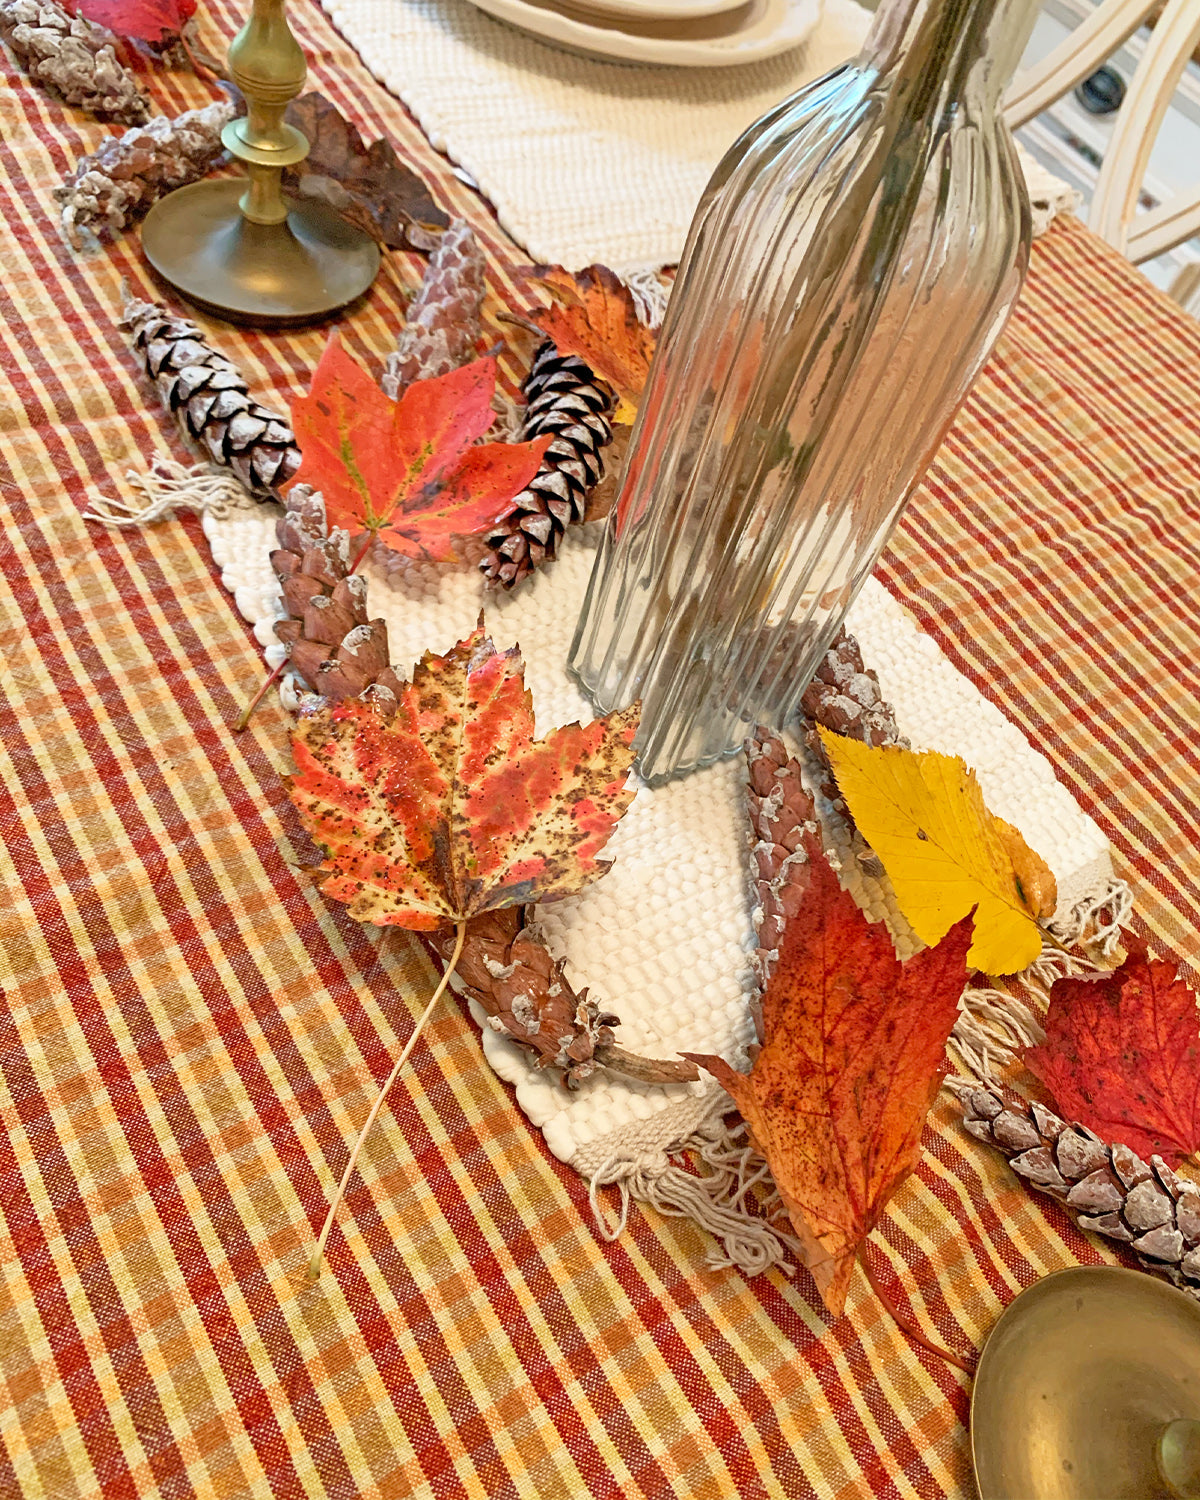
<point>506,966</point>
<point>563,397</point>
<point>781,815</point>
<point>844,696</point>
<point>510,972</point>
<point>1112,1191</point>
<point>208,394</point>
<point>442,325</point>
<point>331,643</point>
<point>73,58</point>
<point>130,172</point>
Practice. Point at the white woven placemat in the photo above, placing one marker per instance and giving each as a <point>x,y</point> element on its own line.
<point>662,939</point>
<point>583,159</point>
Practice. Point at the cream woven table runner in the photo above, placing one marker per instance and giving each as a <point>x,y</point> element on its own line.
<point>583,159</point>
<point>663,939</point>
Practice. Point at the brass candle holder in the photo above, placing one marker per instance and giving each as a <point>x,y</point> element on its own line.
<point>236,246</point>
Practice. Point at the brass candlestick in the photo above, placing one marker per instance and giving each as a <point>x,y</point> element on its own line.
<point>237,246</point>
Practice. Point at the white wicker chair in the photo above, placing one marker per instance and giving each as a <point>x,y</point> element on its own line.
<point>1173,40</point>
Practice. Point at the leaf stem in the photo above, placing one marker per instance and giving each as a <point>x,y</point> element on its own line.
<point>1048,937</point>
<point>248,712</point>
<point>363,550</point>
<point>314,1265</point>
<point>906,1324</point>
<point>526,323</point>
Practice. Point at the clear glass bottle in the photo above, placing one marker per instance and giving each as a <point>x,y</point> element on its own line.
<point>850,266</point>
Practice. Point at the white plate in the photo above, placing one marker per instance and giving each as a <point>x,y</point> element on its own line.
<point>755,30</point>
<point>602,11</point>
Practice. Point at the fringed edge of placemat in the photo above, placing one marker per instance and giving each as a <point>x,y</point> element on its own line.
<point>728,1190</point>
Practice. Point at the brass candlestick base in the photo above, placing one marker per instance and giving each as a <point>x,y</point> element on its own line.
<point>276,275</point>
<point>237,246</point>
<point>1088,1388</point>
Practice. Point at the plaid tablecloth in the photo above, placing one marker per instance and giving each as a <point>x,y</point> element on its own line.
<point>191,1035</point>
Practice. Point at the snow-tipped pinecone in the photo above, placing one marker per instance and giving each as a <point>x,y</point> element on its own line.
<point>208,394</point>
<point>509,971</point>
<point>331,643</point>
<point>442,325</point>
<point>73,58</point>
<point>1112,1190</point>
<point>781,815</point>
<point>129,172</point>
<point>844,696</point>
<point>565,398</point>
<point>506,967</point>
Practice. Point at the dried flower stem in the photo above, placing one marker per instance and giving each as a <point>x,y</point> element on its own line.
<point>314,1265</point>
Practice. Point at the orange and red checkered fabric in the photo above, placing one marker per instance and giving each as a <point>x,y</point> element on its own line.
<point>191,1036</point>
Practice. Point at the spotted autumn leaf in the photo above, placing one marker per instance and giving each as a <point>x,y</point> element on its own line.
<point>592,315</point>
<point>450,808</point>
<point>410,471</point>
<point>853,1054</point>
<point>1122,1056</point>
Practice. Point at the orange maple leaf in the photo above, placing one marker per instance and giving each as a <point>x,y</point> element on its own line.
<point>409,471</point>
<point>450,808</point>
<point>853,1055</point>
<point>593,316</point>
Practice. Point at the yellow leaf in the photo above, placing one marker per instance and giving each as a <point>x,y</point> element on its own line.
<point>924,816</point>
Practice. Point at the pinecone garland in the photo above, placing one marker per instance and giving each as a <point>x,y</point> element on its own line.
<point>443,324</point>
<point>781,814</point>
<point>565,398</point>
<point>844,696</point>
<point>1112,1191</point>
<point>73,58</point>
<point>208,394</point>
<point>129,172</point>
<point>331,643</point>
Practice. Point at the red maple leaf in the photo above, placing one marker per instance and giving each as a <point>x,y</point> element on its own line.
<point>1122,1056</point>
<point>450,808</point>
<point>853,1055</point>
<point>411,470</point>
<point>153,21</point>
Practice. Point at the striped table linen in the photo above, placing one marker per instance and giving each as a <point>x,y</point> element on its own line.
<point>191,1036</point>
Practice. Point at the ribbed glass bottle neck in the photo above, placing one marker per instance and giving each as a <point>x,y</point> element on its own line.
<point>937,50</point>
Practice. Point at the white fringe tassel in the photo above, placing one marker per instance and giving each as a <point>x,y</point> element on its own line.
<point>168,487</point>
<point>995,1026</point>
<point>736,1200</point>
<point>637,1163</point>
<point>650,296</point>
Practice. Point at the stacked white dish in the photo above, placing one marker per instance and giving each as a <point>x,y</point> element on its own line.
<point>678,33</point>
